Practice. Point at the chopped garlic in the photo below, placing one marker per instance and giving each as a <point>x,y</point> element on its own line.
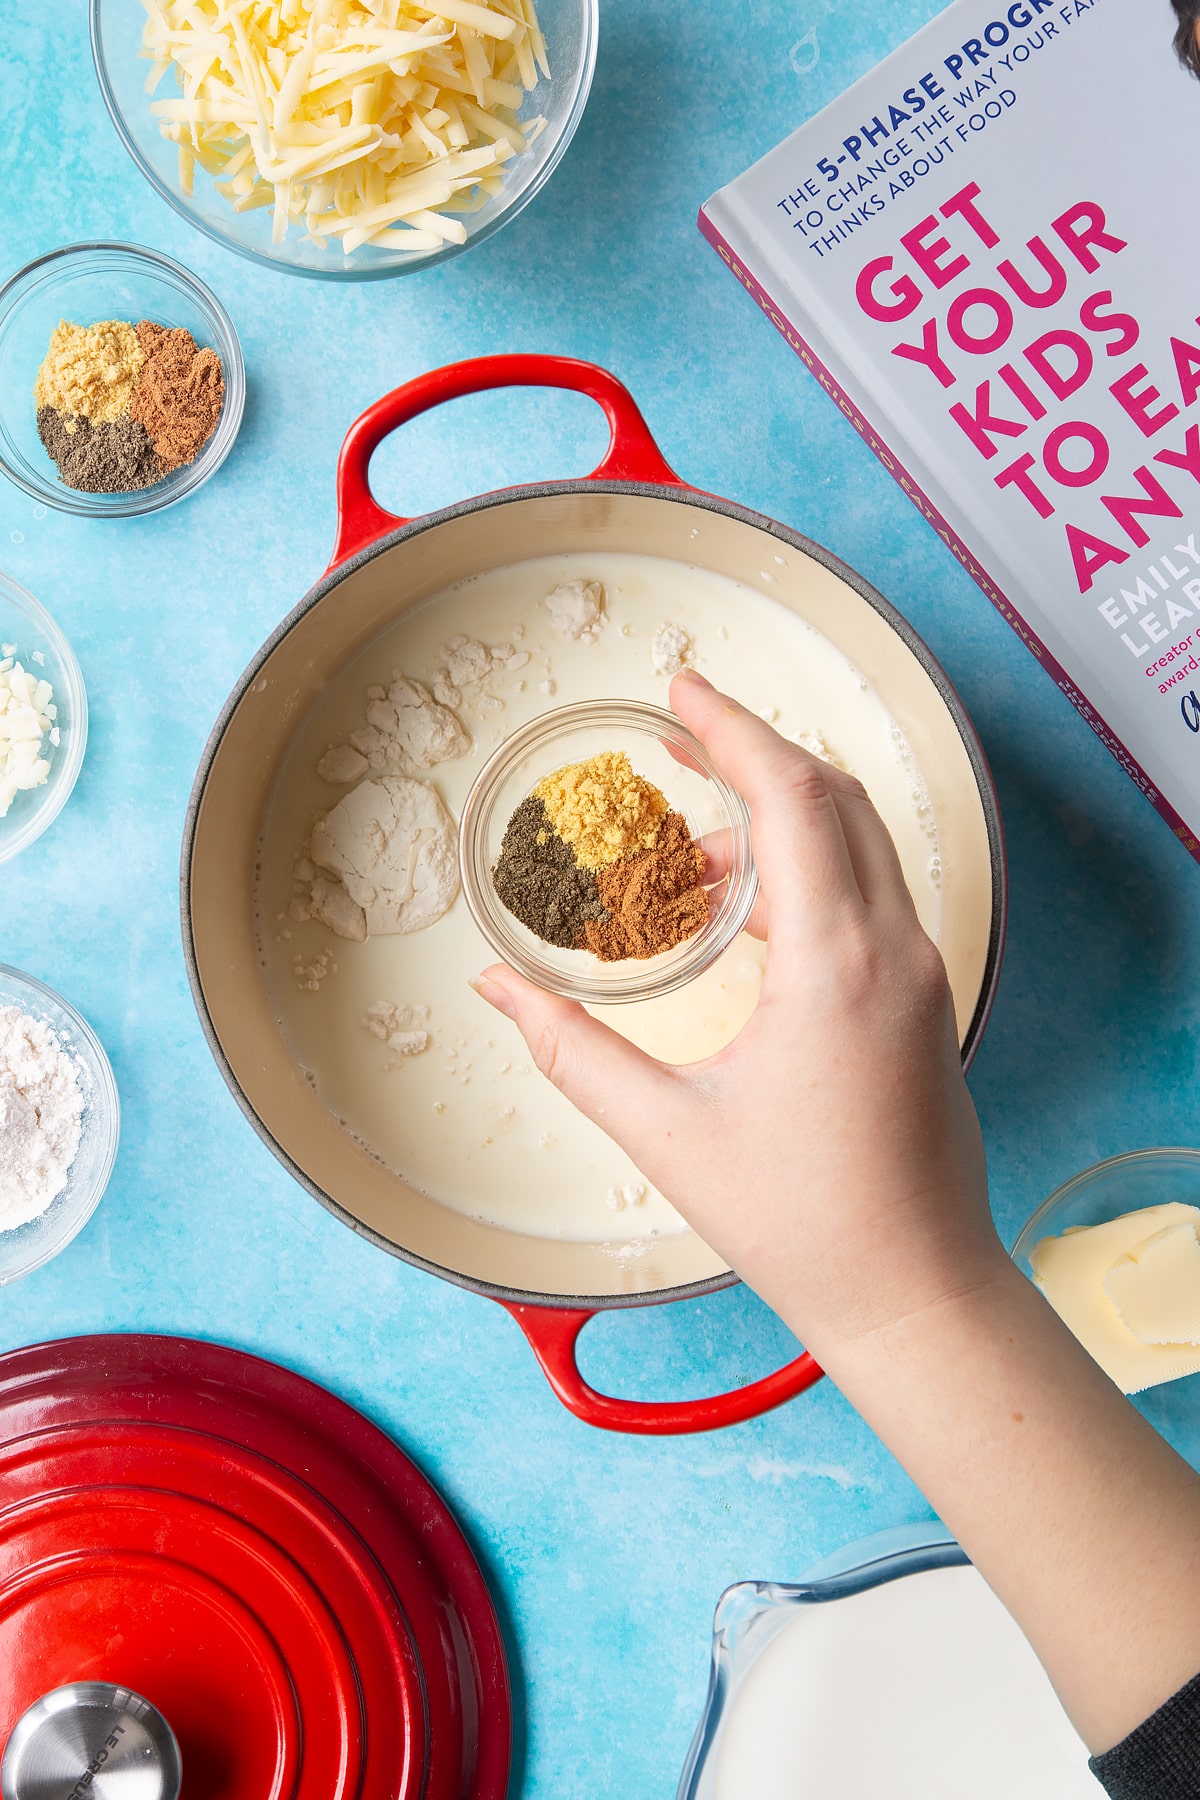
<point>27,715</point>
<point>367,120</point>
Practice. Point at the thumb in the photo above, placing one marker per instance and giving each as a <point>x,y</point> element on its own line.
<point>610,1080</point>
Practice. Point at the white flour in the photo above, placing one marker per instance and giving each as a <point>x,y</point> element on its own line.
<point>401,1028</point>
<point>41,1116</point>
<point>576,609</point>
<point>671,649</point>
<point>392,844</point>
<point>406,730</point>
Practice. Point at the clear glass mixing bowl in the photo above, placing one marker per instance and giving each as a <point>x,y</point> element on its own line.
<point>666,753</point>
<point>1120,1184</point>
<point>570,29</point>
<point>86,283</point>
<point>26,1247</point>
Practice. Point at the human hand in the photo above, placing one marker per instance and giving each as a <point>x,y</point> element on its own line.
<point>830,1153</point>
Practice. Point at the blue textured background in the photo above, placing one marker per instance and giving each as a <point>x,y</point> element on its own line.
<point>606,1555</point>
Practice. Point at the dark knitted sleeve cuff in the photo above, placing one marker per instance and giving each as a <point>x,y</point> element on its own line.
<point>1161,1759</point>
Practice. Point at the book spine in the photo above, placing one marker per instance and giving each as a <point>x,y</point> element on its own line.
<point>920,499</point>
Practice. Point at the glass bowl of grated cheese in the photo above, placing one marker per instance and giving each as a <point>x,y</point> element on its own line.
<point>58,1151</point>
<point>346,139</point>
<point>42,735</point>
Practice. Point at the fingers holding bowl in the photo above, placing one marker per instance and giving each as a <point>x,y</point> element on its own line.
<point>717,847</point>
<point>815,831</point>
<point>628,1093</point>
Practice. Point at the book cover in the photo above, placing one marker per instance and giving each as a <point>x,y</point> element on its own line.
<point>986,252</point>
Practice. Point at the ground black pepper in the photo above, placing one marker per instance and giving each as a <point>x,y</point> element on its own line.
<point>537,878</point>
<point>109,458</point>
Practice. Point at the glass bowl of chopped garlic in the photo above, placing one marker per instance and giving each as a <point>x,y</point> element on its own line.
<point>603,855</point>
<point>43,719</point>
<point>348,139</point>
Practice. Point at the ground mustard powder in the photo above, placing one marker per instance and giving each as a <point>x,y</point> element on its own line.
<point>90,371</point>
<point>602,809</point>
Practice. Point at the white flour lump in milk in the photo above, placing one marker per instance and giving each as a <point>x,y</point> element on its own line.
<point>391,845</point>
<point>367,943</point>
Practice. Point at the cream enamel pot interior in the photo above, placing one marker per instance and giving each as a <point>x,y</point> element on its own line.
<point>381,566</point>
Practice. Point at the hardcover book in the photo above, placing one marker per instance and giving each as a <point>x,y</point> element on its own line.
<point>986,251</point>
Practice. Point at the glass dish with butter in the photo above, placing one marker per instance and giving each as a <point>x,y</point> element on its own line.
<point>1116,1251</point>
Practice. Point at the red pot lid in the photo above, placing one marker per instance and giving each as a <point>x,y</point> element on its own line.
<point>257,1560</point>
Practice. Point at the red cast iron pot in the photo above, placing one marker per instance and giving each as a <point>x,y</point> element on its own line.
<point>382,565</point>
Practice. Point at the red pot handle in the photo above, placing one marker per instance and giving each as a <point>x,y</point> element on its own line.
<point>632,453</point>
<point>554,1332</point>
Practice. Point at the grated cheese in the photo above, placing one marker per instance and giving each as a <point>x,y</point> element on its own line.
<point>364,120</point>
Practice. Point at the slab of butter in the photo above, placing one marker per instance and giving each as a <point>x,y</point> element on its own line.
<point>1156,1288</point>
<point>1123,1285</point>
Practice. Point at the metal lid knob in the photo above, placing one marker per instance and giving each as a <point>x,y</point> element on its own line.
<point>91,1741</point>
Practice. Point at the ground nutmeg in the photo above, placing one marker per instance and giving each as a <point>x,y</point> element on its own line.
<point>653,899</point>
<point>179,393</point>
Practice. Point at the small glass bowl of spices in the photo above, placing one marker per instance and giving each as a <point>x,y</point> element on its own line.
<point>603,855</point>
<point>43,719</point>
<point>121,381</point>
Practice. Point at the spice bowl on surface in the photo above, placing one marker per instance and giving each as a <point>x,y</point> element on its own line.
<point>31,642</point>
<point>48,312</point>
<point>585,957</point>
<point>43,1128</point>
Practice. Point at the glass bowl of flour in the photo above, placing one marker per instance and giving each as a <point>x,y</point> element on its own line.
<point>59,1123</point>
